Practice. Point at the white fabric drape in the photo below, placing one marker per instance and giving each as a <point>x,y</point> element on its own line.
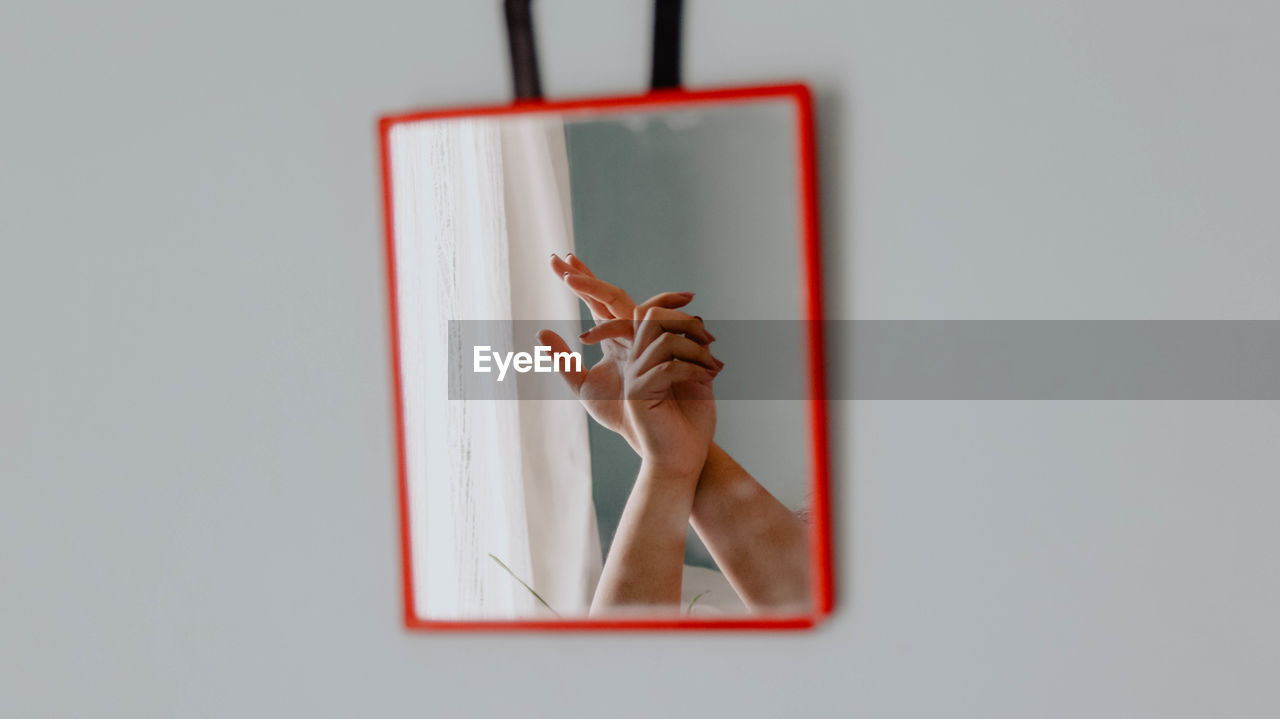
<point>478,205</point>
<point>556,458</point>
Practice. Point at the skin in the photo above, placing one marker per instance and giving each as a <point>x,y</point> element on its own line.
<point>669,404</point>
<point>760,545</point>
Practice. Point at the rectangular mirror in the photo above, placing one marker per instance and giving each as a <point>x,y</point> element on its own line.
<point>608,362</point>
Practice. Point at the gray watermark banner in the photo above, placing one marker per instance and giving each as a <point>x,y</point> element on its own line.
<point>916,359</point>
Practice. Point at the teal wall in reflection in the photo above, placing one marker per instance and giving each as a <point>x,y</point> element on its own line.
<point>703,201</point>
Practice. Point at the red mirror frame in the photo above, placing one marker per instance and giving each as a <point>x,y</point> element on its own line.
<point>811,280</point>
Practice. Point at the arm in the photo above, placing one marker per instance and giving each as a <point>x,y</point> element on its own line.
<point>667,385</point>
<point>646,561</point>
<point>759,544</point>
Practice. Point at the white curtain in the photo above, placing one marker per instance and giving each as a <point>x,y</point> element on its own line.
<point>478,205</point>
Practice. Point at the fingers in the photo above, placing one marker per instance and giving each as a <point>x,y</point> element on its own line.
<point>608,330</point>
<point>570,263</point>
<point>658,320</point>
<point>574,378</point>
<point>674,347</point>
<point>607,301</point>
<point>559,266</point>
<point>670,300</point>
<point>667,320</point>
<point>618,302</point>
<point>578,264</point>
<point>562,267</point>
<point>659,379</point>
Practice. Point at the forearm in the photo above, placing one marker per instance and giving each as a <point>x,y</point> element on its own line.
<point>759,544</point>
<point>646,561</point>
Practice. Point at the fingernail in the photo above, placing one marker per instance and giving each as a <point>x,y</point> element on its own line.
<point>568,255</point>
<point>687,294</point>
<point>565,277</point>
<point>583,336</point>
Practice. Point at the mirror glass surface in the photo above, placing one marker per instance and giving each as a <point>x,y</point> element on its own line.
<point>517,488</point>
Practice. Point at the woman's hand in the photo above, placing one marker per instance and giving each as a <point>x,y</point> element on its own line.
<point>759,544</point>
<point>666,382</point>
<point>600,388</point>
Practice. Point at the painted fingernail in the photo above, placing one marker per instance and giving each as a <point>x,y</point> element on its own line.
<point>686,294</point>
<point>583,336</point>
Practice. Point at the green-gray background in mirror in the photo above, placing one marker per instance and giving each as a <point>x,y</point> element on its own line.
<point>703,200</point>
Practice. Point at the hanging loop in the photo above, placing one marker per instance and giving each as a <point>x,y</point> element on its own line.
<point>666,45</point>
<point>524,56</point>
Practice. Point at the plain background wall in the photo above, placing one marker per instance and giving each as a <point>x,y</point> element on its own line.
<point>196,485</point>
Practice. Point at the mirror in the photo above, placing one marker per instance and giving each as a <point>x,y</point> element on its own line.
<point>608,362</point>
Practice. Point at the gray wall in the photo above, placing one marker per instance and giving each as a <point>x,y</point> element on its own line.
<point>196,498</point>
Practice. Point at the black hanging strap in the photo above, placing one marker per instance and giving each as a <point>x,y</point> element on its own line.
<point>666,44</point>
<point>524,57</point>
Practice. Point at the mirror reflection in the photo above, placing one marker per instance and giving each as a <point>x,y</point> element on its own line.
<point>572,291</point>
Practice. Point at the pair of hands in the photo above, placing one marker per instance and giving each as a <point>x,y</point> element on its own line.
<point>653,384</point>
